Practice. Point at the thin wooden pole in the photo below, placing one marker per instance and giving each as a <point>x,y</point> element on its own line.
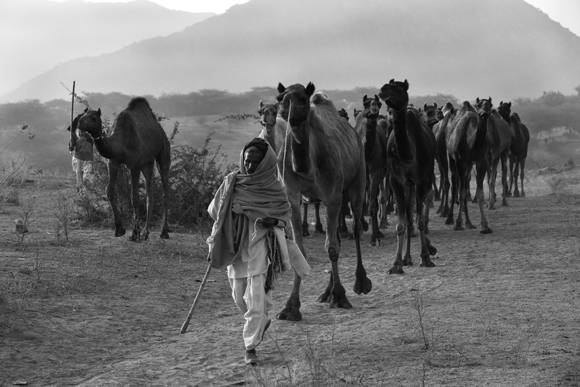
<point>73,136</point>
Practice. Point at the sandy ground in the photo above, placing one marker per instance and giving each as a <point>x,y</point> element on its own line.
<point>497,310</point>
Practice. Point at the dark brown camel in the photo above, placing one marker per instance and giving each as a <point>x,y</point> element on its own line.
<point>440,132</point>
<point>498,149</point>
<point>268,115</point>
<point>466,142</point>
<point>374,140</point>
<point>410,163</point>
<point>137,140</point>
<point>520,137</point>
<point>320,155</point>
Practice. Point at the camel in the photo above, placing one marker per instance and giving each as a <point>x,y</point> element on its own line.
<point>137,140</point>
<point>498,145</point>
<point>520,137</point>
<point>440,132</point>
<point>429,116</point>
<point>410,164</point>
<point>466,142</point>
<point>268,115</point>
<point>320,155</point>
<point>374,140</point>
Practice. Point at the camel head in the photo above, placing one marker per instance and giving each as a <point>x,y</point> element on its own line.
<point>372,105</point>
<point>505,110</point>
<point>484,105</point>
<point>267,113</point>
<point>91,123</point>
<point>343,113</point>
<point>448,108</point>
<point>395,94</point>
<point>429,114</point>
<point>296,98</point>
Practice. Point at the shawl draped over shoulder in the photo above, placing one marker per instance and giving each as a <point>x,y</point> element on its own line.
<point>257,196</point>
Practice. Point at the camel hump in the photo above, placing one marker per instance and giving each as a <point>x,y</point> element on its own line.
<point>138,103</point>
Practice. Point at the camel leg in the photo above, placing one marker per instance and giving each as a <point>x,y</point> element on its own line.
<point>409,198</point>
<point>318,229</point>
<point>481,168</point>
<point>522,166</point>
<point>514,176</point>
<point>512,163</point>
<point>454,188</point>
<point>291,311</point>
<point>399,193</point>
<point>362,283</point>
<point>376,235</point>
<point>112,196</point>
<point>462,185</point>
<point>445,198</point>
<point>305,231</point>
<point>491,182</point>
<point>384,222</point>
<point>147,170</point>
<point>504,183</point>
<point>163,169</point>
<point>135,174</point>
<point>335,293</point>
<point>468,223</point>
<point>426,248</point>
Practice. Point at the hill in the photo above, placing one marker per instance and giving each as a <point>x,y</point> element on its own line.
<point>503,48</point>
<point>37,35</point>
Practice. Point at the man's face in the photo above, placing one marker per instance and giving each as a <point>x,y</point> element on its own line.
<point>251,161</point>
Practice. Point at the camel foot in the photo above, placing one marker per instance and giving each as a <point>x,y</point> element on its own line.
<point>486,230</point>
<point>362,284</point>
<point>508,194</point>
<point>135,236</point>
<point>145,236</point>
<point>407,261</point>
<point>504,203</point>
<point>459,227</point>
<point>516,194</point>
<point>120,231</point>
<point>164,234</point>
<point>305,231</point>
<point>340,301</point>
<point>292,310</point>
<point>396,269</point>
<point>324,297</point>
<point>289,314</point>
<point>469,226</point>
<point>432,249</point>
<point>319,231</point>
<point>427,263</point>
<point>449,221</point>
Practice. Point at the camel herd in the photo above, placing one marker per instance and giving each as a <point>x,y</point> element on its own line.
<point>352,170</point>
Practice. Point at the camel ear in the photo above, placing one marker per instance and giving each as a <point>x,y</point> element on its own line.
<point>281,88</point>
<point>406,85</point>
<point>391,81</point>
<point>477,100</point>
<point>86,109</point>
<point>435,105</point>
<point>365,98</point>
<point>261,104</point>
<point>99,112</point>
<point>310,89</point>
<point>425,106</point>
<point>377,98</point>
<point>510,104</point>
<point>501,103</point>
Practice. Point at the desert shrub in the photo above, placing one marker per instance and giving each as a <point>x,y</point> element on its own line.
<point>194,177</point>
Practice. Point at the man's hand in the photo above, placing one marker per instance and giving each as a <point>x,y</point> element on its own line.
<point>269,222</point>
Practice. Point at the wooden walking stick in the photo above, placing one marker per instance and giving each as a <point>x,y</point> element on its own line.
<point>186,323</point>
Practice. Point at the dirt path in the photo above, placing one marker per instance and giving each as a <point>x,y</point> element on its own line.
<point>498,310</point>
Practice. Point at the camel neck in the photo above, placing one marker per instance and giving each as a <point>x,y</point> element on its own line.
<point>300,145</point>
<point>401,136</point>
<point>370,135</point>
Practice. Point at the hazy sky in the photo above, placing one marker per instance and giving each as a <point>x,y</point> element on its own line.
<point>215,6</point>
<point>565,12</point>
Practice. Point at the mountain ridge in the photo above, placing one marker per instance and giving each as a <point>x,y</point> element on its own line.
<point>502,48</point>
